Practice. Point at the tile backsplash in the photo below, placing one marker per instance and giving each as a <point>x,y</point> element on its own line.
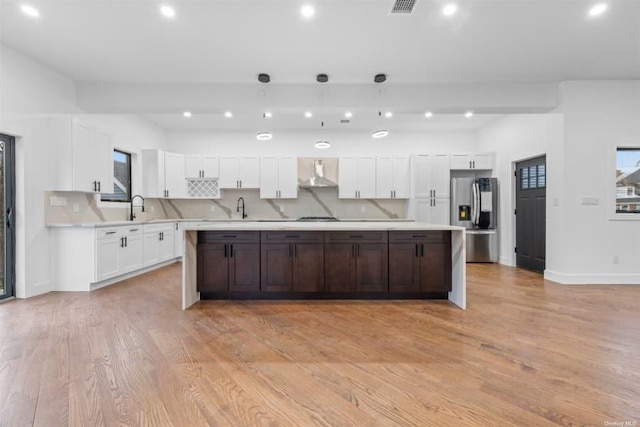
<point>72,207</point>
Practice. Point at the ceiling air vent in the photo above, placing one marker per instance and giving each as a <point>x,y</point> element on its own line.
<point>403,6</point>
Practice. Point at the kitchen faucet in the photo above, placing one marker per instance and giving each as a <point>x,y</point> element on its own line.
<point>244,215</point>
<point>132,216</point>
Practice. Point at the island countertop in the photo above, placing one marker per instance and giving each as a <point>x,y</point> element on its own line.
<point>323,226</point>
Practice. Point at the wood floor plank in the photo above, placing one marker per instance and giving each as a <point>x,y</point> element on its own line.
<point>526,352</point>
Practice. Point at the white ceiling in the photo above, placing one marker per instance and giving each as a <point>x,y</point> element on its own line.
<point>231,41</point>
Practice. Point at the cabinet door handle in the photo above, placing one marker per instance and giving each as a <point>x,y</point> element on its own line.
<point>422,250</point>
<point>126,241</point>
<point>416,245</point>
<point>290,250</point>
<point>122,242</point>
<point>99,186</point>
<point>353,249</point>
<point>176,225</point>
<point>240,183</point>
<point>295,250</point>
<point>94,186</point>
<point>225,250</point>
<point>159,236</point>
<point>231,251</point>
<point>358,249</point>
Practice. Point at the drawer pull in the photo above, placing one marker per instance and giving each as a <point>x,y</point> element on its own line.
<point>292,236</point>
<point>419,235</point>
<point>356,236</point>
<point>133,229</point>
<point>110,232</point>
<point>229,236</point>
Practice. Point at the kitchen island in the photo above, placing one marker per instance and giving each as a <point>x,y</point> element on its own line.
<point>367,259</point>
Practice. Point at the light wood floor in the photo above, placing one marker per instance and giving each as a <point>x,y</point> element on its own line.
<point>525,353</point>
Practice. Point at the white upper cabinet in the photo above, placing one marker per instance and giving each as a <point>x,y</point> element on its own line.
<point>239,172</point>
<point>393,177</point>
<point>279,177</point>
<point>163,174</point>
<point>357,177</point>
<point>478,161</point>
<point>433,210</point>
<point>432,175</point>
<point>201,167</point>
<point>83,155</point>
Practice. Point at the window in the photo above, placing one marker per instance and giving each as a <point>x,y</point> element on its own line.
<point>533,177</point>
<point>628,180</point>
<point>121,178</point>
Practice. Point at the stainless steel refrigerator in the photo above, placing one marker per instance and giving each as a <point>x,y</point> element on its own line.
<point>474,205</point>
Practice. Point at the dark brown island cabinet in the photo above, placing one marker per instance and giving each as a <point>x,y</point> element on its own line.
<point>283,264</point>
<point>356,261</point>
<point>292,261</point>
<point>419,261</point>
<point>228,261</point>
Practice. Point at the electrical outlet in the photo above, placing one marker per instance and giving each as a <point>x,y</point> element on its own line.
<point>76,207</point>
<point>57,201</point>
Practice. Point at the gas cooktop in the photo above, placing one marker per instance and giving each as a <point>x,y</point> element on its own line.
<point>318,218</point>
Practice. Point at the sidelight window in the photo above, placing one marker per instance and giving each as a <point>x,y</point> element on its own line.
<point>628,180</point>
<point>121,178</point>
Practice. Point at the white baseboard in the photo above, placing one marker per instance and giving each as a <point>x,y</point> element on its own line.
<point>505,260</point>
<point>592,279</point>
<point>38,289</point>
<point>98,285</point>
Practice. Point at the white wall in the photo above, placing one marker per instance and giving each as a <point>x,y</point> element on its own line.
<point>599,116</point>
<point>520,137</point>
<point>29,91</point>
<point>301,143</point>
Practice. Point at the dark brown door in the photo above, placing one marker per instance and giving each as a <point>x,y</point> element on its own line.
<point>244,267</point>
<point>372,271</point>
<point>531,201</point>
<point>276,267</point>
<point>435,267</point>
<point>213,267</point>
<point>308,267</point>
<point>404,267</point>
<point>339,267</point>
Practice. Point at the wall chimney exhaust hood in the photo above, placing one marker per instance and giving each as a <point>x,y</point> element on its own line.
<point>317,172</point>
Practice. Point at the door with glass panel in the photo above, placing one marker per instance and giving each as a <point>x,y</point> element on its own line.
<point>7,211</point>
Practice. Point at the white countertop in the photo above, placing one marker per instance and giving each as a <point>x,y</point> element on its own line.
<point>210,221</point>
<point>323,226</point>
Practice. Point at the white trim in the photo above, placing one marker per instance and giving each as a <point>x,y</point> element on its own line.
<point>592,279</point>
<point>113,280</point>
<point>507,260</point>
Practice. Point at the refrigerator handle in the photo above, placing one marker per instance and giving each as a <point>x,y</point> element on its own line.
<point>474,204</point>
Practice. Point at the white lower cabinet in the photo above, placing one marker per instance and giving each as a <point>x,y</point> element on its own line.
<point>159,243</point>
<point>119,250</point>
<point>86,258</point>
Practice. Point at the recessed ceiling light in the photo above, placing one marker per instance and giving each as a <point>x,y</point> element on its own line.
<point>267,114</point>
<point>381,133</point>
<point>30,11</point>
<point>598,9</point>
<point>308,114</point>
<point>187,114</point>
<point>388,114</point>
<point>167,11</point>
<point>228,114</point>
<point>450,9</point>
<point>428,114</point>
<point>307,11</point>
<point>323,144</point>
<point>348,114</point>
<point>468,114</point>
<point>264,136</point>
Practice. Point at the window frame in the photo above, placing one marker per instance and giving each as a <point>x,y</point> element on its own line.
<point>117,202</point>
<point>631,144</point>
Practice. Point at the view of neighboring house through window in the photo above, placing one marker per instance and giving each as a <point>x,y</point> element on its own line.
<point>628,180</point>
<point>121,178</point>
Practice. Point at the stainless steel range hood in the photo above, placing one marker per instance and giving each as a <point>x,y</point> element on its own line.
<point>317,172</point>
